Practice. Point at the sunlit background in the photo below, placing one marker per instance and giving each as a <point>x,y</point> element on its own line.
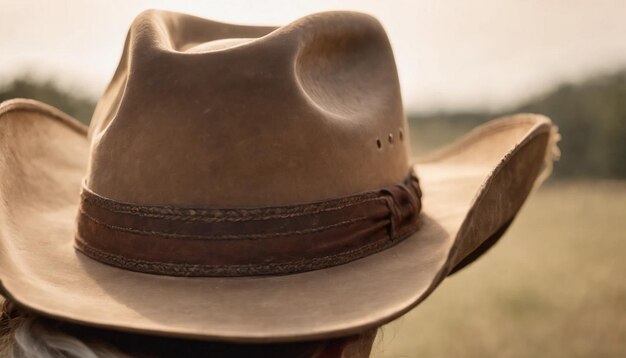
<point>556,285</point>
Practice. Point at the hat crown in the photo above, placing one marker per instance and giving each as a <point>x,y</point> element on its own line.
<point>201,113</point>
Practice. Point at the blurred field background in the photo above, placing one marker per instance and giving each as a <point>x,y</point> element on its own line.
<point>555,285</point>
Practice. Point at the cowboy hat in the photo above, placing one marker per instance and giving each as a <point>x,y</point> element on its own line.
<point>249,184</point>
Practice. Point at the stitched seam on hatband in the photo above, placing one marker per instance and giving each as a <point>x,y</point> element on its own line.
<point>231,215</point>
<point>224,237</point>
<point>181,269</point>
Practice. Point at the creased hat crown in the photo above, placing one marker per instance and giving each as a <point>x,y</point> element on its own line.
<point>205,113</point>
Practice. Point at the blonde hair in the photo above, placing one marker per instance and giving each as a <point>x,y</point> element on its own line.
<point>25,334</point>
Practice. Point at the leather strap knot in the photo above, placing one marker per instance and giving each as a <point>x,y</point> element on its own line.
<point>404,201</point>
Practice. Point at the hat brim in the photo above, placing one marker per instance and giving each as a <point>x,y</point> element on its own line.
<point>472,189</point>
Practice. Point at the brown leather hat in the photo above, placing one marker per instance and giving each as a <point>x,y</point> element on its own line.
<point>249,184</point>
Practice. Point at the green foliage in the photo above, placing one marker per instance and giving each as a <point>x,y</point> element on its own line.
<point>591,117</point>
<point>78,107</point>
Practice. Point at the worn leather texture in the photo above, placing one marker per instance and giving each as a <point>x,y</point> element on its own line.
<point>239,242</point>
<point>282,117</point>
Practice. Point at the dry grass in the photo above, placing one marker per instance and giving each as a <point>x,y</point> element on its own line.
<point>554,286</point>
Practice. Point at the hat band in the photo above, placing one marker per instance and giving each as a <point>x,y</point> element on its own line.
<point>246,241</point>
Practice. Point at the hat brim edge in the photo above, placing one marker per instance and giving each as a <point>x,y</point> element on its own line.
<point>541,126</point>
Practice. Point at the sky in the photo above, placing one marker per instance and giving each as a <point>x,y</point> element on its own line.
<point>451,55</point>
